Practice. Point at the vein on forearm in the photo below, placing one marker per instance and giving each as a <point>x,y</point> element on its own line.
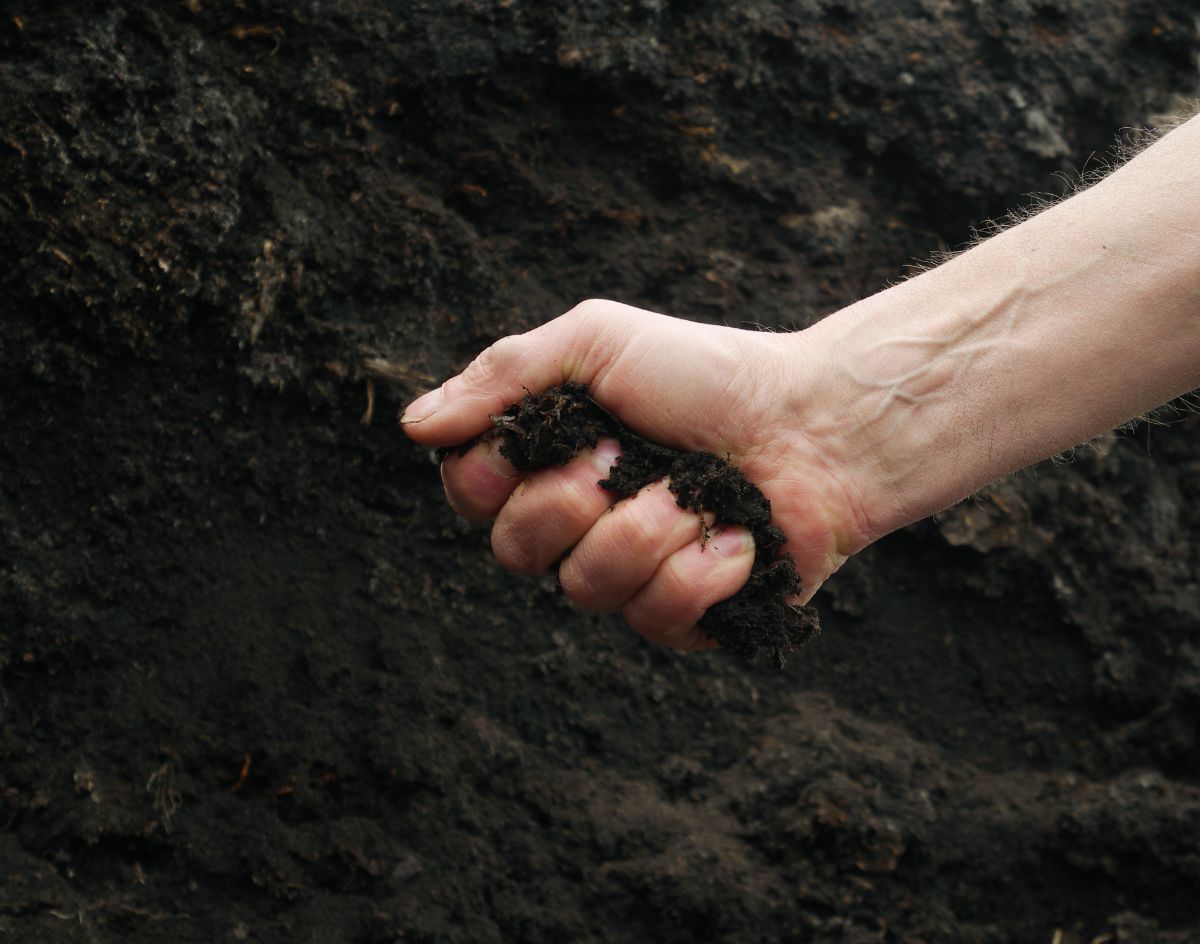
<point>917,366</point>
<point>1038,338</point>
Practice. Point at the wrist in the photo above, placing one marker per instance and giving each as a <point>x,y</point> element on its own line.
<point>917,387</point>
<point>877,453</point>
<point>1037,339</point>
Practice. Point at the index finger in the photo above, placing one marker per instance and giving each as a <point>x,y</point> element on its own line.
<point>575,346</point>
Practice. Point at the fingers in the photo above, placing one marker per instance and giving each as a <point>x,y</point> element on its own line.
<point>478,483</point>
<point>686,584</point>
<point>620,554</point>
<point>643,557</point>
<point>552,510</point>
<point>574,346</point>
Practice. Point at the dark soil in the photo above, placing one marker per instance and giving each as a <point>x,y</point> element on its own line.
<point>550,428</point>
<point>257,682</point>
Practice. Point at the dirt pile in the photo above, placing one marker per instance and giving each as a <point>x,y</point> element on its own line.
<point>258,683</point>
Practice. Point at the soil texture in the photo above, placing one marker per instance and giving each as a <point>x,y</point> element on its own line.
<point>551,427</point>
<point>258,683</point>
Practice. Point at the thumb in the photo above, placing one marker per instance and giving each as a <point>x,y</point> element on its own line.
<point>571,347</point>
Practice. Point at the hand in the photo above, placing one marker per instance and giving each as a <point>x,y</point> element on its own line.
<point>882,413</point>
<point>755,396</point>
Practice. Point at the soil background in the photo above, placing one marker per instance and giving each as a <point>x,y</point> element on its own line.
<point>257,683</point>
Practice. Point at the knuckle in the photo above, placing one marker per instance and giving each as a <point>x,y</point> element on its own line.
<point>592,334</point>
<point>506,350</point>
<point>640,530</point>
<point>493,361</point>
<point>478,371</point>
<point>641,621</point>
<point>577,584</point>
<point>590,314</point>
<point>587,307</point>
<point>676,587</point>
<point>510,550</point>
<point>576,493</point>
<point>661,612</point>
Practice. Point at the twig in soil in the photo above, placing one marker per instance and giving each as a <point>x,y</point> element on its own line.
<point>80,914</point>
<point>369,412</point>
<point>247,759</point>
<point>408,378</point>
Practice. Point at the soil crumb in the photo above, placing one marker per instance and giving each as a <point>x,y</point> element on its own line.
<point>550,428</point>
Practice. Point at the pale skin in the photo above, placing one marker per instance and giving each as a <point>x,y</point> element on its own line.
<point>1046,335</point>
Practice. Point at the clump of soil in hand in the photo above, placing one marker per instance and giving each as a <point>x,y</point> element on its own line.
<point>551,427</point>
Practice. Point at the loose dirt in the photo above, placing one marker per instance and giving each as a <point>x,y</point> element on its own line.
<point>551,427</point>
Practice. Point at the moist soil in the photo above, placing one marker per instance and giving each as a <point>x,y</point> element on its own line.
<point>551,427</point>
<point>258,683</point>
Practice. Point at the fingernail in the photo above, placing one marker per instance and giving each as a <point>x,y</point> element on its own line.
<point>605,454</point>
<point>730,542</point>
<point>423,407</point>
<point>497,463</point>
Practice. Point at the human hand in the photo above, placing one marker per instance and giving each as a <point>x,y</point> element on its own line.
<point>885,412</point>
<point>753,396</point>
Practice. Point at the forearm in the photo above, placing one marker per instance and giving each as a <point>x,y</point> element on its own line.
<point>1041,337</point>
